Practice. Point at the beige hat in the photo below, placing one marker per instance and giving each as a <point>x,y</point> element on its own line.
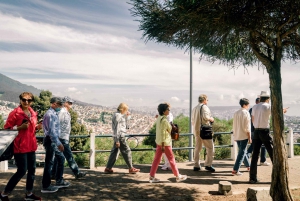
<point>264,94</point>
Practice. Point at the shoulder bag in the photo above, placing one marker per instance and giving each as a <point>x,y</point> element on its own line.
<point>206,131</point>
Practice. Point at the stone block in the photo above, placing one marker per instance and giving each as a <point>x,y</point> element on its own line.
<point>259,194</point>
<point>225,188</point>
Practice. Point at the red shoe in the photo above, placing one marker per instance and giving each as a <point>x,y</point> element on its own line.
<point>32,197</point>
<point>133,170</point>
<point>108,171</point>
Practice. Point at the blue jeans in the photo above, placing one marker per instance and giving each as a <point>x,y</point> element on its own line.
<point>51,152</point>
<point>24,162</point>
<point>263,153</point>
<point>69,157</point>
<point>242,155</point>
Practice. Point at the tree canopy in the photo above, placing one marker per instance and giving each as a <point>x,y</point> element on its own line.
<point>235,33</point>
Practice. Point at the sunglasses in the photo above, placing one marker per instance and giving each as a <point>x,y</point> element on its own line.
<point>28,100</point>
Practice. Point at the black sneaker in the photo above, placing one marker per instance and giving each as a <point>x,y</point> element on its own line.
<point>210,168</point>
<point>80,175</point>
<point>4,198</point>
<point>197,168</point>
<point>32,197</point>
<point>50,189</point>
<point>253,181</point>
<point>62,184</point>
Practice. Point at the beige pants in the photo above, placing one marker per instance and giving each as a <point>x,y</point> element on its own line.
<point>210,150</point>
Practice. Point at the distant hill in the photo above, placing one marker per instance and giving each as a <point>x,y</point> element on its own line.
<point>11,89</point>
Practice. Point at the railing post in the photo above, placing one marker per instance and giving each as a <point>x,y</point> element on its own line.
<point>191,144</point>
<point>233,149</point>
<point>92,151</point>
<point>3,166</point>
<point>290,141</point>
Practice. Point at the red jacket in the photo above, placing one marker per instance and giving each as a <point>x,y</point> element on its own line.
<point>25,141</point>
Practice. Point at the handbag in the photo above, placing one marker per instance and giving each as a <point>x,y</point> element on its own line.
<point>206,131</point>
<point>174,131</point>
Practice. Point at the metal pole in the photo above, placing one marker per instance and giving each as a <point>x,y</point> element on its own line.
<point>190,118</point>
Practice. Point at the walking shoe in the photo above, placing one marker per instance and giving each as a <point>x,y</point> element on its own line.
<point>50,189</point>
<point>236,173</point>
<point>210,168</point>
<point>80,175</point>
<point>5,198</point>
<point>181,178</point>
<point>264,163</point>
<point>133,170</point>
<point>62,184</point>
<point>197,168</point>
<point>153,180</point>
<point>32,197</point>
<point>253,181</point>
<point>108,171</point>
<point>165,168</point>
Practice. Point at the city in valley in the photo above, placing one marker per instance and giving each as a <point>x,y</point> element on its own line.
<point>97,119</point>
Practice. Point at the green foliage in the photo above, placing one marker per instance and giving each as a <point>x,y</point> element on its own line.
<point>297,149</point>
<point>1,122</point>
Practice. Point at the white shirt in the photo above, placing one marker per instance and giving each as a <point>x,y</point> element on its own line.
<point>65,124</point>
<point>241,124</point>
<point>261,113</point>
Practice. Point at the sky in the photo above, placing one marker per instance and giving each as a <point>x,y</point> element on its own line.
<point>93,51</point>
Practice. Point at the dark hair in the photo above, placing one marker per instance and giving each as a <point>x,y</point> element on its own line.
<point>257,99</point>
<point>263,99</point>
<point>56,100</point>
<point>26,93</point>
<point>244,101</point>
<point>162,108</point>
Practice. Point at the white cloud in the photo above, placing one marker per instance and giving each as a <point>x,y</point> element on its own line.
<point>221,97</point>
<point>72,89</point>
<point>175,99</point>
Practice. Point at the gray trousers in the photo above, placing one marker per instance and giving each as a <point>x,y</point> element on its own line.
<point>125,151</point>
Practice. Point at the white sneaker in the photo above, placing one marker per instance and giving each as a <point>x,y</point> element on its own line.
<point>153,180</point>
<point>181,178</point>
<point>265,163</point>
<point>234,173</point>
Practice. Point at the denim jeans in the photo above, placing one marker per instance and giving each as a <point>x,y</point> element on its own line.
<point>263,153</point>
<point>69,157</point>
<point>242,155</point>
<point>260,137</point>
<point>51,152</point>
<point>24,162</point>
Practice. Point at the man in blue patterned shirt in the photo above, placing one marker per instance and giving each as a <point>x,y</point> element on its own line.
<point>53,146</point>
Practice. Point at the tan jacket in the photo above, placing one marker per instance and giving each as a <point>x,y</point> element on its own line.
<point>197,120</point>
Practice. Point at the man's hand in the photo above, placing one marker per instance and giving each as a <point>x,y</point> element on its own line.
<point>39,126</point>
<point>117,144</point>
<point>61,148</point>
<point>285,109</point>
<point>211,119</point>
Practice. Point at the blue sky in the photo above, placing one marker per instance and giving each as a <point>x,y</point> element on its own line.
<point>92,51</point>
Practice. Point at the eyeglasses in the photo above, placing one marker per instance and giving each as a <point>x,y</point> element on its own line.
<point>28,100</point>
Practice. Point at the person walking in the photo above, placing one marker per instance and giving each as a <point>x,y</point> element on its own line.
<point>166,165</point>
<point>64,137</point>
<point>263,153</point>
<point>53,147</point>
<point>260,117</point>
<point>163,144</point>
<point>197,121</point>
<point>119,127</point>
<point>241,134</point>
<point>24,119</point>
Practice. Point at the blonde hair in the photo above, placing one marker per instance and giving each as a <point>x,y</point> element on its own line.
<point>122,107</point>
<point>202,98</point>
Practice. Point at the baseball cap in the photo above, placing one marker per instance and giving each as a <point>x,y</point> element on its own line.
<point>56,100</point>
<point>68,99</point>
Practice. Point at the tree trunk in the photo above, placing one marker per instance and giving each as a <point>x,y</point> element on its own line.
<point>280,185</point>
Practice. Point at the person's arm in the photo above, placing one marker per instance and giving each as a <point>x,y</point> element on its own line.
<point>206,114</point>
<point>54,130</point>
<point>11,121</point>
<point>247,123</point>
<point>166,130</point>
